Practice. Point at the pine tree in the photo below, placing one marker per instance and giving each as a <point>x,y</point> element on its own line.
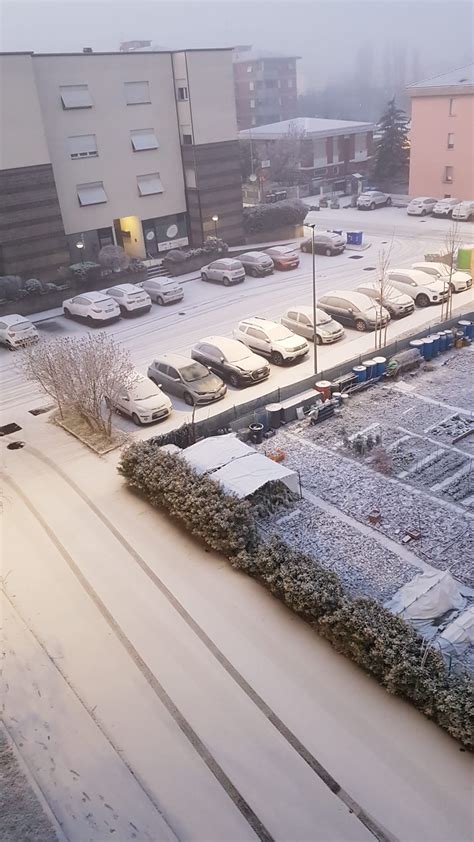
<point>392,150</point>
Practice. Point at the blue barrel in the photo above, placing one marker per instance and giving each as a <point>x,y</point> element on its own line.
<point>380,363</point>
<point>418,345</point>
<point>471,330</point>
<point>360,372</point>
<point>465,326</point>
<point>436,343</point>
<point>371,367</point>
<point>428,348</point>
<point>443,341</point>
<point>354,238</point>
<point>450,338</point>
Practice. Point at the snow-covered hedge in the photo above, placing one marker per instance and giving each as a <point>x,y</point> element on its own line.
<point>277,215</point>
<point>382,644</point>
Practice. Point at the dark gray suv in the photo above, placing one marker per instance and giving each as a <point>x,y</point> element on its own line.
<point>187,379</point>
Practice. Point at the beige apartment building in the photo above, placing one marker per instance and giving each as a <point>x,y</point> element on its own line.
<point>442,135</point>
<point>138,149</point>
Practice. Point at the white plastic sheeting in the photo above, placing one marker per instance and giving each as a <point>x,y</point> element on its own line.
<point>461,631</point>
<point>427,596</point>
<point>238,468</point>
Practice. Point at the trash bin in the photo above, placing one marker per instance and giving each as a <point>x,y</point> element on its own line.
<point>256,433</point>
<point>324,387</point>
<point>360,372</point>
<point>436,343</point>
<point>354,238</point>
<point>464,259</point>
<point>274,415</point>
<point>428,348</point>
<point>371,367</point>
<point>380,363</point>
<point>465,326</point>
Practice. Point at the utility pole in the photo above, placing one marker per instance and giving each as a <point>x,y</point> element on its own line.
<point>315,337</point>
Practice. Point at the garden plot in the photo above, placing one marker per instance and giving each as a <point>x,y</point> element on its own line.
<point>439,466</point>
<point>451,380</point>
<point>365,568</point>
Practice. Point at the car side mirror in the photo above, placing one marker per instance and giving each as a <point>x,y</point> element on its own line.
<point>350,310</point>
<point>222,359</point>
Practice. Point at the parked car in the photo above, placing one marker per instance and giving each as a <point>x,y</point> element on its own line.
<point>163,290</point>
<point>271,339</point>
<point>143,401</point>
<point>354,309</point>
<point>459,281</point>
<point>16,331</point>
<point>231,360</point>
<point>225,271</point>
<point>93,307</point>
<point>284,257</point>
<point>445,207</point>
<point>418,285</point>
<point>256,263</point>
<point>397,303</point>
<point>464,212</point>
<point>299,319</point>
<point>372,199</point>
<point>132,300</point>
<point>421,206</point>
<point>325,242</point>
<point>187,379</point>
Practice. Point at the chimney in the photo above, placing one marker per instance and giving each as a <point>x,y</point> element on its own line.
<point>87,50</point>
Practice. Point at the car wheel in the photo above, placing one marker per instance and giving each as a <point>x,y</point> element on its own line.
<point>204,276</point>
<point>388,202</point>
<point>160,300</point>
<point>226,281</point>
<point>277,358</point>
<point>188,398</point>
<point>67,313</point>
<point>372,206</point>
<point>319,341</point>
<point>136,419</point>
<point>234,380</point>
<point>359,325</point>
<point>452,287</point>
<point>422,300</point>
<point>90,321</point>
<point>423,212</point>
<point>328,252</point>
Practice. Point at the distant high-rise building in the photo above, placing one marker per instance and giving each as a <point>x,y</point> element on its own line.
<point>265,86</point>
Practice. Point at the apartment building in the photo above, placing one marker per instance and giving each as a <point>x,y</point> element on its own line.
<point>328,155</point>
<point>265,86</point>
<point>138,149</point>
<point>442,135</point>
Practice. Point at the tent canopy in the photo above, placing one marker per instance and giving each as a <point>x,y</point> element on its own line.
<point>427,596</point>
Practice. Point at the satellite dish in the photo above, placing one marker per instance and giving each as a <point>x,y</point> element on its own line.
<point>252,177</point>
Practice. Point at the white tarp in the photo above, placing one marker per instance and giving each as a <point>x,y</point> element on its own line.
<point>461,630</point>
<point>427,596</point>
<point>237,466</point>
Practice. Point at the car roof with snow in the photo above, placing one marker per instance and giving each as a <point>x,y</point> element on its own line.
<point>226,345</point>
<point>14,319</point>
<point>176,360</point>
<point>125,288</point>
<point>357,298</point>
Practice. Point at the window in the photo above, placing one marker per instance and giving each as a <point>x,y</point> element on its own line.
<point>137,93</point>
<point>83,146</point>
<point>271,83</point>
<point>450,140</point>
<point>143,139</point>
<point>190,177</point>
<point>251,86</point>
<point>448,175</point>
<point>172,372</point>
<point>451,107</point>
<point>91,194</point>
<point>290,83</point>
<point>292,315</point>
<point>252,103</point>
<point>183,94</point>
<point>447,195</point>
<point>75,96</point>
<point>254,121</point>
<point>149,184</point>
<point>187,140</point>
<point>249,68</point>
<point>304,320</point>
<point>257,334</point>
<point>186,135</point>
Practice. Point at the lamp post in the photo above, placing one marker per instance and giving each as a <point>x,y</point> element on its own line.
<point>315,337</point>
<point>215,220</point>
<point>80,246</point>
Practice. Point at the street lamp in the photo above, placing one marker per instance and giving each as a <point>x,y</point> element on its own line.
<point>315,337</point>
<point>215,220</point>
<point>80,246</point>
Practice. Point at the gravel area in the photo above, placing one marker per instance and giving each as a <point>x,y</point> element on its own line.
<point>452,380</point>
<point>365,568</point>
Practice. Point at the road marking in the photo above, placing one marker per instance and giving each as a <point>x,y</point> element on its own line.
<point>375,829</point>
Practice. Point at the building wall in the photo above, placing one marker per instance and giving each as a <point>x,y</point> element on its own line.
<point>23,142</point>
<point>273,96</point>
<point>431,122</point>
<point>111,120</point>
<point>211,91</point>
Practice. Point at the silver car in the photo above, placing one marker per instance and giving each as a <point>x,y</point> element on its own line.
<point>256,263</point>
<point>372,199</point>
<point>299,319</point>
<point>163,290</point>
<point>226,271</point>
<point>187,379</point>
<point>397,303</point>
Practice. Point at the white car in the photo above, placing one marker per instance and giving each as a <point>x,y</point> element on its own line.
<point>143,401</point>
<point>372,199</point>
<point>131,299</point>
<point>421,206</point>
<point>397,303</point>
<point>418,285</point>
<point>163,290</point>
<point>226,271</point>
<point>271,339</point>
<point>93,307</point>
<point>460,281</point>
<point>445,207</point>
<point>464,212</point>
<point>16,331</point>
<point>299,319</point>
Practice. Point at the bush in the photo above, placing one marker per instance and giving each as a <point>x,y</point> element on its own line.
<point>136,265</point>
<point>86,272</point>
<point>268,217</point>
<point>11,288</point>
<point>33,286</point>
<point>114,258</point>
<point>211,248</point>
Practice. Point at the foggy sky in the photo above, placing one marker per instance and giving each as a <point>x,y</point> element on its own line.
<point>435,36</point>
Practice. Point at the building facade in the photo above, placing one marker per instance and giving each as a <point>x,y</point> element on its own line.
<point>442,135</point>
<point>102,148</point>
<point>265,87</point>
<point>327,155</point>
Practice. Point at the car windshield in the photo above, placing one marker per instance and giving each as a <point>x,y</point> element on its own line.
<point>235,264</point>
<point>322,318</point>
<point>20,326</point>
<point>143,389</point>
<point>238,355</point>
<point>192,372</point>
<point>279,332</point>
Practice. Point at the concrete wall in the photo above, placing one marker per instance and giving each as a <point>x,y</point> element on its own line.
<point>211,91</point>
<point>23,141</point>
<point>431,122</point>
<point>111,120</point>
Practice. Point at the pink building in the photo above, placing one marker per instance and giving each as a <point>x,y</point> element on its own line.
<point>442,135</point>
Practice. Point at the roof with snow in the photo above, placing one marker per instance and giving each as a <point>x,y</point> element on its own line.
<point>311,127</point>
<point>243,54</point>
<point>462,78</point>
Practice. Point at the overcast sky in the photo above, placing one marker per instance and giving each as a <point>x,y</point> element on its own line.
<point>327,34</point>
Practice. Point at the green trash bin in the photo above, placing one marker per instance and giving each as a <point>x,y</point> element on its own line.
<point>465,256</point>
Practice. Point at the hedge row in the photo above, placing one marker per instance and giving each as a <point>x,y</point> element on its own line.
<point>382,644</point>
<point>268,217</point>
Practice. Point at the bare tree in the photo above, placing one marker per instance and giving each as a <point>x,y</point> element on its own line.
<point>285,156</point>
<point>82,374</point>
<point>384,290</point>
<point>114,257</point>
<point>452,244</point>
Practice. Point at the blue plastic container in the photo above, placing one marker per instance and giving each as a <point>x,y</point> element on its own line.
<point>471,330</point>
<point>465,326</point>
<point>370,366</point>
<point>436,343</point>
<point>428,348</point>
<point>354,238</point>
<point>380,363</point>
<point>418,344</point>
<point>443,341</point>
<point>360,372</point>
<point>450,338</point>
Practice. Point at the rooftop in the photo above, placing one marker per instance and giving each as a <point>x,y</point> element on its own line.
<point>461,77</point>
<point>242,54</point>
<point>309,126</point>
